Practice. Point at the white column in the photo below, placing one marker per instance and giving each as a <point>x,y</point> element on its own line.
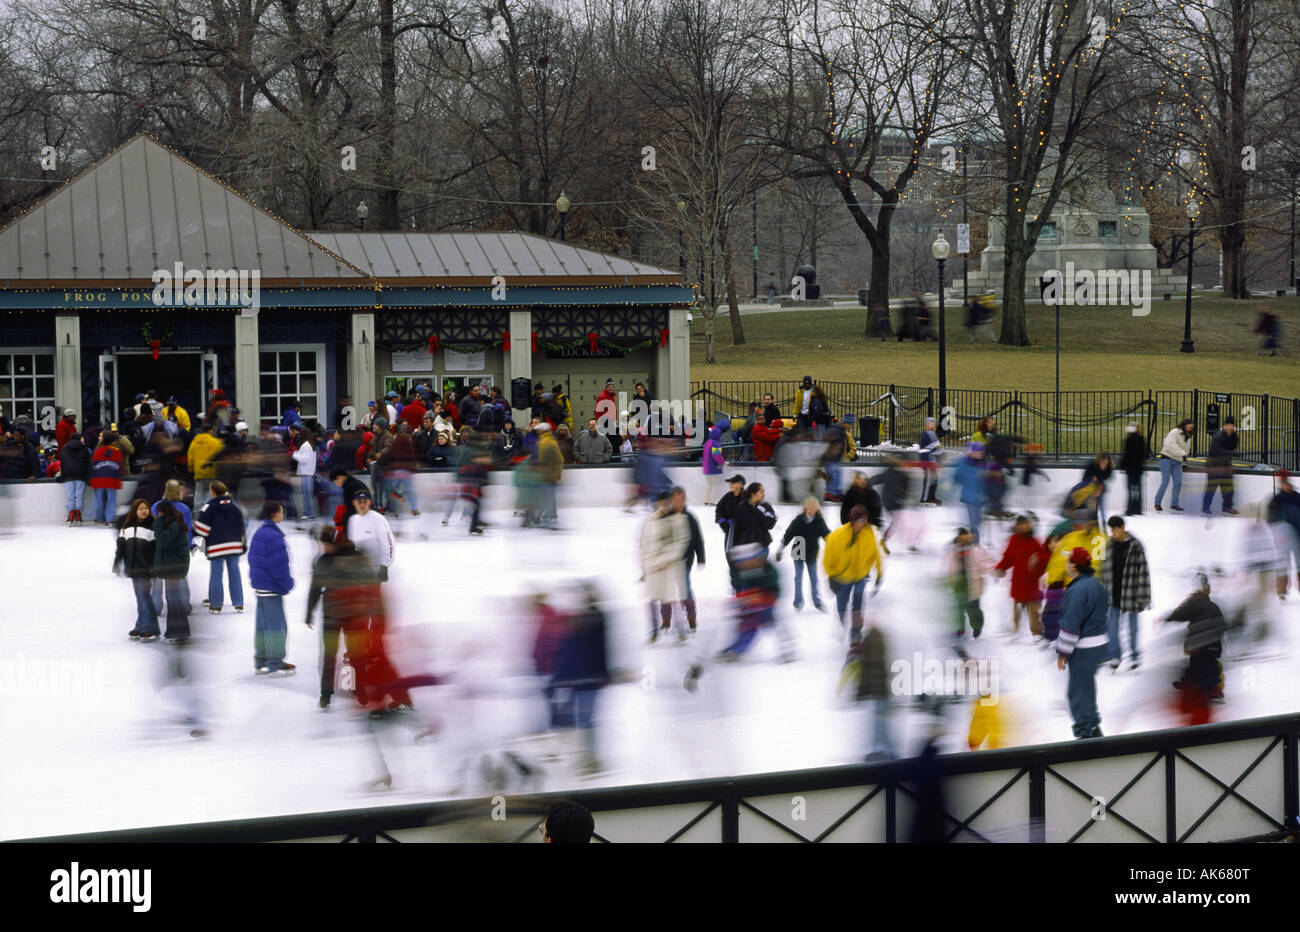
<point>67,366</point>
<point>679,357</point>
<point>519,364</point>
<point>248,385</point>
<point>361,360</point>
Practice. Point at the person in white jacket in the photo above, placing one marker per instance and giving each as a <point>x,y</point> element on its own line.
<point>369,532</point>
<point>664,538</point>
<point>304,455</point>
<point>1177,447</point>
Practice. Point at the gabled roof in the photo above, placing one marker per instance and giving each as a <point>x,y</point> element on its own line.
<point>523,258</point>
<point>144,207</point>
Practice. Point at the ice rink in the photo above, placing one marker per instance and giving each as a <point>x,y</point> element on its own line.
<point>90,722</point>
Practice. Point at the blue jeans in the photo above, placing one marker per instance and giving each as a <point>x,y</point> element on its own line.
<point>854,590</point>
<point>1081,693</point>
<point>1113,649</point>
<point>178,607</point>
<point>308,485</point>
<point>215,595</point>
<point>882,738</point>
<point>270,632</point>
<point>157,591</point>
<point>834,473</point>
<point>105,505</point>
<point>74,493</point>
<point>974,514</point>
<point>403,489</point>
<point>146,619</point>
<point>811,567</point>
<point>1170,469</point>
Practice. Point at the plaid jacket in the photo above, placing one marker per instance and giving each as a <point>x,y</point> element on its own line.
<point>1135,587</point>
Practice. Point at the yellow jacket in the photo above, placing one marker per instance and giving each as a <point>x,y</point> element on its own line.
<point>182,417</point>
<point>849,560</point>
<point>203,449</point>
<point>1090,539</point>
<point>550,462</point>
<point>991,725</point>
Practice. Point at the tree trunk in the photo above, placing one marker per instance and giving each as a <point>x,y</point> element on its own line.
<point>728,270</point>
<point>878,285</point>
<point>1015,330</point>
<point>388,217</point>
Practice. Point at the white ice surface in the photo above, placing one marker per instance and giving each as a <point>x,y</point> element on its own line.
<point>90,735</point>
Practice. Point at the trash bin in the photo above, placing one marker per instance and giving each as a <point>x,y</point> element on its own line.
<point>869,431</point>
<point>862,296</point>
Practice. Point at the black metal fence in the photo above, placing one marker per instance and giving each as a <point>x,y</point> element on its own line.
<point>1153,787</point>
<point>1068,424</point>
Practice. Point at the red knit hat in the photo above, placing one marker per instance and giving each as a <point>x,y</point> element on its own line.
<point>1080,557</point>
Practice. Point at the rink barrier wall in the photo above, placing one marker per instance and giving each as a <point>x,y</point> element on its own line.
<point>42,501</point>
<point>1219,782</point>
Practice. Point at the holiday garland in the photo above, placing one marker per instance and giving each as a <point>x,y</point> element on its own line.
<point>161,334</point>
<point>591,342</point>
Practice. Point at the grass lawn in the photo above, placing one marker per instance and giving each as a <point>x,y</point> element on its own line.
<point>1101,348</point>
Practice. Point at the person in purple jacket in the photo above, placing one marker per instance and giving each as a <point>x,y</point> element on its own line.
<point>268,571</point>
<point>713,462</point>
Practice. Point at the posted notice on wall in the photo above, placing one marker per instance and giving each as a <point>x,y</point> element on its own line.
<point>456,361</point>
<point>963,239</point>
<point>412,360</point>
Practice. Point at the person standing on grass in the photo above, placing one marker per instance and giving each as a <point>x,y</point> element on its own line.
<point>1026,557</point>
<point>1082,644</point>
<point>1133,461</point>
<point>1218,468</point>
<point>806,530</point>
<point>1127,581</point>
<point>1174,451</point>
<point>268,571</point>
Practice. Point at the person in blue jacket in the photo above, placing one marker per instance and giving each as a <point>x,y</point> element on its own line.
<point>1082,644</point>
<point>268,571</point>
<point>968,477</point>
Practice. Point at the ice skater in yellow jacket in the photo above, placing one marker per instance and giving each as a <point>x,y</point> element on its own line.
<point>851,554</point>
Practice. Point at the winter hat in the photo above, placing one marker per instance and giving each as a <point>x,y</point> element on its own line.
<point>361,493</point>
<point>68,412</point>
<point>609,382</point>
<point>140,396</point>
<point>242,425</point>
<point>1080,557</point>
<point>974,447</point>
<point>807,380</point>
<point>371,404</point>
<point>542,427</point>
<point>1282,474</point>
<point>743,552</point>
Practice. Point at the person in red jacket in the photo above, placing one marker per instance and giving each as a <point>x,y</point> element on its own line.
<point>106,477</point>
<point>1026,557</point>
<point>413,412</point>
<point>765,436</point>
<point>65,428</point>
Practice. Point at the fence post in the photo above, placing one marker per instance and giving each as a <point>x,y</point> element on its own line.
<point>731,815</point>
<point>1171,798</point>
<point>929,403</point>
<point>1196,418</point>
<point>1268,433</point>
<point>1038,804</point>
<point>891,412</point>
<point>1291,779</point>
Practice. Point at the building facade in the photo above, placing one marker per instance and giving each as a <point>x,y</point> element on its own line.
<point>145,272</point>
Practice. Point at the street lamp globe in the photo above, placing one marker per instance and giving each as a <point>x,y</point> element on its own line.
<point>1193,210</point>
<point>562,203</point>
<point>939,249</point>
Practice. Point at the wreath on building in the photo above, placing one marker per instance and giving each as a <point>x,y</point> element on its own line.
<point>158,332</point>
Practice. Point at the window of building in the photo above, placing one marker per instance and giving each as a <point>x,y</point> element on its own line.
<point>1107,229</point>
<point>286,373</point>
<point>1048,231</point>
<point>26,383</point>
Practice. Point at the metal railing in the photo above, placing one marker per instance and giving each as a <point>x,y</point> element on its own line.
<point>1064,792</point>
<point>1068,424</point>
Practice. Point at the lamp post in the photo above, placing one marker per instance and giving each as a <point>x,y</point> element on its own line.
<point>1295,170</point>
<point>362,213</point>
<point>562,204</point>
<point>1193,211</point>
<point>939,249</point>
<point>965,219</point>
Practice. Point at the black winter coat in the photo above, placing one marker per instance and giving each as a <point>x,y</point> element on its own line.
<point>135,548</point>
<point>869,497</point>
<point>753,524</point>
<point>1135,454</point>
<point>171,559</point>
<point>1221,449</point>
<point>811,531</point>
<point>75,459</point>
